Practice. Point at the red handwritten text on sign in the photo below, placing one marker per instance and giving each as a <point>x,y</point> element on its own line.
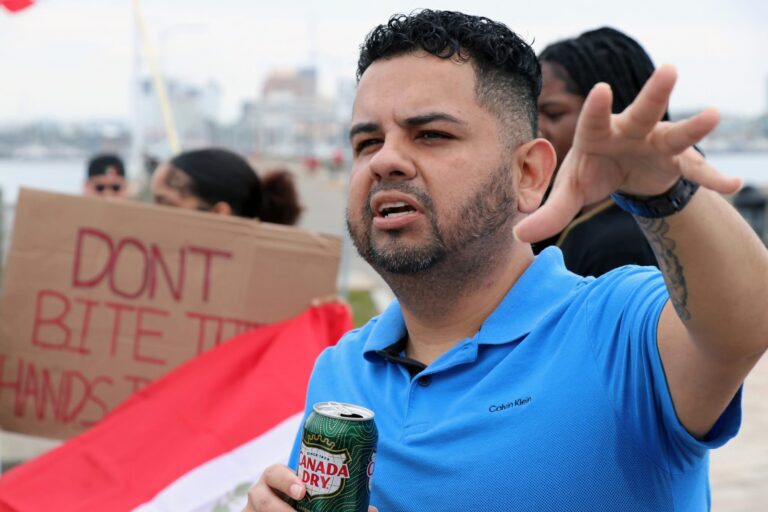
<point>98,329</point>
<point>151,260</point>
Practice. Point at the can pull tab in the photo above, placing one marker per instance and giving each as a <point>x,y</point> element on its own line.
<point>345,412</point>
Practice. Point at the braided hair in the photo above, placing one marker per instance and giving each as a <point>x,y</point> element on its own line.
<point>601,55</point>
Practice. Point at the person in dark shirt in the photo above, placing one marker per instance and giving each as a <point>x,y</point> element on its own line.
<point>603,236</point>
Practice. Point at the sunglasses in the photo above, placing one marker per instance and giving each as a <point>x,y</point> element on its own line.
<point>100,187</point>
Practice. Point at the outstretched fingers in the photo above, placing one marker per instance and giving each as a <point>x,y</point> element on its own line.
<point>595,118</point>
<point>679,136</point>
<point>697,169</point>
<point>639,118</point>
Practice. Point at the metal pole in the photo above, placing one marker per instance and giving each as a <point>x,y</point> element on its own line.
<point>136,167</point>
<point>157,77</point>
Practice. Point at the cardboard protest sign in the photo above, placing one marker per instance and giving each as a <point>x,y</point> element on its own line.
<point>102,297</point>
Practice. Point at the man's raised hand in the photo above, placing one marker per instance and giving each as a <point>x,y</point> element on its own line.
<point>633,152</point>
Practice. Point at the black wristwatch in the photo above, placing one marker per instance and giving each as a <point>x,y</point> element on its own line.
<point>662,205</point>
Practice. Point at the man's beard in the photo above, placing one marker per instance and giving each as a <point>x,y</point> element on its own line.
<point>491,207</point>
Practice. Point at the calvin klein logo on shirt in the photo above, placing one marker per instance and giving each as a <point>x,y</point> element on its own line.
<point>510,405</point>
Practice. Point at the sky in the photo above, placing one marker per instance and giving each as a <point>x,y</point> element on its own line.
<point>75,60</point>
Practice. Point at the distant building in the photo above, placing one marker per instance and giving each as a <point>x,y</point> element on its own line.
<point>195,110</point>
<point>291,120</point>
<point>345,99</point>
<point>765,112</point>
<point>47,139</point>
<point>300,83</point>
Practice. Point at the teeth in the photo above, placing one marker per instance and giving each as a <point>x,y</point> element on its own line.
<point>395,209</point>
<point>399,204</point>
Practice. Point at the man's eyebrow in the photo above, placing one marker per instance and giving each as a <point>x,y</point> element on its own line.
<point>432,117</point>
<point>363,128</point>
<point>419,120</point>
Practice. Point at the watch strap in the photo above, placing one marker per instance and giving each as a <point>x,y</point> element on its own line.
<point>662,205</point>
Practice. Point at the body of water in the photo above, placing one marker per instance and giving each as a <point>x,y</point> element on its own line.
<point>750,167</point>
<point>65,176</point>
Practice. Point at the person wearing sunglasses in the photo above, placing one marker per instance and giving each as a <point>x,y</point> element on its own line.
<point>106,177</point>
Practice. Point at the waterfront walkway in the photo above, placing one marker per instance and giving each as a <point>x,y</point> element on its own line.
<point>739,470</point>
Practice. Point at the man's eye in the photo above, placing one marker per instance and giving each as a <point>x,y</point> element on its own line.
<point>363,144</point>
<point>435,135</point>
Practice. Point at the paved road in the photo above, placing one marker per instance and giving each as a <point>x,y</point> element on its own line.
<point>739,470</point>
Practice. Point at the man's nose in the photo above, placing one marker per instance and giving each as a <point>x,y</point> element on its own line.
<point>392,161</point>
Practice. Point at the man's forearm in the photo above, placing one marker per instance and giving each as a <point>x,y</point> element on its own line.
<point>716,270</point>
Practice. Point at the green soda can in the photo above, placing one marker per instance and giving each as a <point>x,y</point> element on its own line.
<point>337,457</point>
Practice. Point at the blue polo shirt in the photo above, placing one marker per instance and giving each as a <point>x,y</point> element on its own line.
<point>558,403</point>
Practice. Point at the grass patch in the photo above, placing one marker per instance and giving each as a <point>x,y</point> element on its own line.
<point>363,308</point>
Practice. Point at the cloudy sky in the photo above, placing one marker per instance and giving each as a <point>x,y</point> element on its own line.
<point>74,59</point>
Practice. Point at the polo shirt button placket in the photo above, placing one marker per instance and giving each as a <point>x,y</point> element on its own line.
<point>424,381</point>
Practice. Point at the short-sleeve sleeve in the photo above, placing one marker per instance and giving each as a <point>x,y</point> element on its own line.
<point>623,311</point>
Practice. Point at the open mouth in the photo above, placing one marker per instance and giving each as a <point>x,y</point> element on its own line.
<point>395,209</point>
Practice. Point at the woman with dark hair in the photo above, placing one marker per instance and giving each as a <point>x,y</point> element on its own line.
<point>603,236</point>
<point>220,181</point>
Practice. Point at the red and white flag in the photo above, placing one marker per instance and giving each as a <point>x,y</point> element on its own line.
<point>16,5</point>
<point>194,440</point>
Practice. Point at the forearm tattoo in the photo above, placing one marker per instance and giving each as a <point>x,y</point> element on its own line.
<point>664,247</point>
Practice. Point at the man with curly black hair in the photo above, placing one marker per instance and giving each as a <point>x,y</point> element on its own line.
<point>508,76</point>
<point>501,381</point>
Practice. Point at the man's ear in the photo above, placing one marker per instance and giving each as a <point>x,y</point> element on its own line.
<point>222,208</point>
<point>535,161</point>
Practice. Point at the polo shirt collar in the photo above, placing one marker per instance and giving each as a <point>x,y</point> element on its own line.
<point>541,288</point>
